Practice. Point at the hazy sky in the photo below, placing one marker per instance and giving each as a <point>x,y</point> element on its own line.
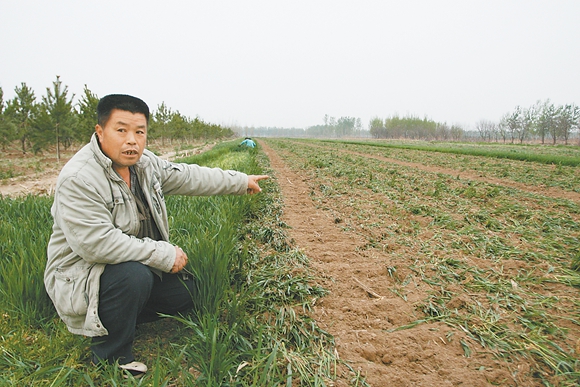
<point>288,63</point>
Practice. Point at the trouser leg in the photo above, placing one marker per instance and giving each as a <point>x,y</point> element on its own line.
<point>172,295</point>
<point>130,294</point>
<point>124,291</point>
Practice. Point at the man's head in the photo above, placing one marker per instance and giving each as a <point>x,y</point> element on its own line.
<point>122,129</point>
<point>122,102</point>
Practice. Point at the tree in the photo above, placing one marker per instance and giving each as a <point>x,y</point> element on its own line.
<point>575,122</point>
<point>567,120</point>
<point>158,127</point>
<point>528,119</point>
<point>456,132</point>
<point>358,127</point>
<point>486,129</point>
<point>316,131</point>
<point>87,116</point>
<point>503,127</point>
<point>56,119</point>
<point>21,110</point>
<point>513,124</point>
<point>7,129</point>
<point>546,120</point>
<point>442,132</point>
<point>345,126</point>
<point>179,125</point>
<point>330,126</point>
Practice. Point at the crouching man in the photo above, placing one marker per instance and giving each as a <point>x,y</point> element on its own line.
<point>110,263</point>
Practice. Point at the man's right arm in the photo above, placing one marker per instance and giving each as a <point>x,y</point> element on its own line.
<point>89,229</point>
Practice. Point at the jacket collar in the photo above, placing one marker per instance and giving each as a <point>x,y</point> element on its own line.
<point>106,163</point>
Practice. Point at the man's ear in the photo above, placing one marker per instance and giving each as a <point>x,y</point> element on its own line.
<point>99,131</point>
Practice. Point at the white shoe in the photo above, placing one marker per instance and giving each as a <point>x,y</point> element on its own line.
<point>135,368</point>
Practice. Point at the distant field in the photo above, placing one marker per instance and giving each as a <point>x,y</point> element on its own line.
<point>551,166</point>
<point>559,155</point>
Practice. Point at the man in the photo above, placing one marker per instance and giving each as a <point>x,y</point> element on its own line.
<point>110,264</point>
<point>248,142</point>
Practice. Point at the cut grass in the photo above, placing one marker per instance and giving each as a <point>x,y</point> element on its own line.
<point>498,151</point>
<point>527,172</point>
<point>513,252</point>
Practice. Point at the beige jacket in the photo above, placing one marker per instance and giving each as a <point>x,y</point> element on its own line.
<point>95,218</point>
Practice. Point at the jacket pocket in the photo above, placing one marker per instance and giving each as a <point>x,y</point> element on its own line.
<point>72,299</point>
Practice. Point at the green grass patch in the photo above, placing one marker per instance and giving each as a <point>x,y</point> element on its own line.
<point>248,327</point>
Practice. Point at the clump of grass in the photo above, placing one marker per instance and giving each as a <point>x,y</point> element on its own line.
<point>25,225</point>
<point>7,172</point>
<point>575,265</point>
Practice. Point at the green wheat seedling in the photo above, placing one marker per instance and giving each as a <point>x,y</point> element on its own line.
<point>25,226</point>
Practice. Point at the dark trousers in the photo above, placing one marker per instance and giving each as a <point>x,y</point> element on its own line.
<point>130,294</point>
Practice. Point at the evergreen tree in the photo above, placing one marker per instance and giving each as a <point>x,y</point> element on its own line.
<point>87,116</point>
<point>56,119</point>
<point>158,127</point>
<point>21,112</point>
<point>6,126</point>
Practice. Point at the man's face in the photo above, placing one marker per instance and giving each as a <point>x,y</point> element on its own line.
<point>123,138</point>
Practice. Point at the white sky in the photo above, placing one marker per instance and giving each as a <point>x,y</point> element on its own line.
<point>288,63</point>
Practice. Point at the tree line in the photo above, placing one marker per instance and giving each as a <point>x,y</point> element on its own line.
<point>332,127</point>
<point>392,127</point>
<point>413,127</point>
<point>543,121</point>
<point>56,120</point>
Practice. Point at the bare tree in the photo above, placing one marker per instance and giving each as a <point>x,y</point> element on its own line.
<point>503,127</point>
<point>486,129</point>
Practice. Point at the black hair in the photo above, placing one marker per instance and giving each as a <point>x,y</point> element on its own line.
<point>122,102</point>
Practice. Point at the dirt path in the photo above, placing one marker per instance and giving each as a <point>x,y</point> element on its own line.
<point>361,309</point>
